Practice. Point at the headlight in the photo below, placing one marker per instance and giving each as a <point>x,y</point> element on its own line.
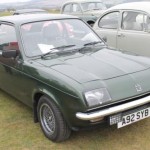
<point>97,97</point>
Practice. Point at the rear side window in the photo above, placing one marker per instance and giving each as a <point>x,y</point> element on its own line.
<point>109,21</point>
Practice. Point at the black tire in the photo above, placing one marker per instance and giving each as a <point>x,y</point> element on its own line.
<point>91,24</point>
<point>51,120</point>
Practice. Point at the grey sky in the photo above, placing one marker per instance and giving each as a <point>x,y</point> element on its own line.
<point>12,1</point>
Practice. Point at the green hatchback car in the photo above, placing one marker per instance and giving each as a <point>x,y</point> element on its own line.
<point>59,67</point>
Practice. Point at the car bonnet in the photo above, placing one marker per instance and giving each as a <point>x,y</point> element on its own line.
<point>101,65</point>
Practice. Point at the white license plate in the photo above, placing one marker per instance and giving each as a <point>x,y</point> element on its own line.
<point>134,117</point>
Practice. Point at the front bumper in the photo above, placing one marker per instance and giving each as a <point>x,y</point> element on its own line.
<point>113,110</point>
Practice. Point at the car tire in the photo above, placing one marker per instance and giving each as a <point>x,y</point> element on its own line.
<point>91,23</point>
<point>52,121</point>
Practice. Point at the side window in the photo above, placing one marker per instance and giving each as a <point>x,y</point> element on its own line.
<point>8,40</point>
<point>109,21</point>
<point>76,8</point>
<point>67,8</point>
<point>91,6</point>
<point>146,23</point>
<point>132,21</point>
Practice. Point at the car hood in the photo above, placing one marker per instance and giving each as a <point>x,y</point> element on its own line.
<point>101,65</point>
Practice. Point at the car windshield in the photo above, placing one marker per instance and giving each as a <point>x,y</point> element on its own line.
<point>42,37</point>
<point>93,6</point>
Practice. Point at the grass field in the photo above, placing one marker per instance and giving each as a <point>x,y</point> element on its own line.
<point>7,13</point>
<point>18,132</point>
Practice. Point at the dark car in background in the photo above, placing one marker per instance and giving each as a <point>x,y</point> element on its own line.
<point>29,11</point>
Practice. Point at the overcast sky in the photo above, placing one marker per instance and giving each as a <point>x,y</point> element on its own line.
<point>12,1</point>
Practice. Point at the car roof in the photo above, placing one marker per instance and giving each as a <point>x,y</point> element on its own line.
<point>22,19</point>
<point>83,1</point>
<point>141,6</point>
<point>20,11</point>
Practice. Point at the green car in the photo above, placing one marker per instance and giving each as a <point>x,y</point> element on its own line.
<point>59,67</point>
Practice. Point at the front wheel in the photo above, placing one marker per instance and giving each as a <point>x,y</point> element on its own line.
<point>51,120</point>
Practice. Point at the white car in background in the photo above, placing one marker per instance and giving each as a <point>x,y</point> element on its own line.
<point>127,27</point>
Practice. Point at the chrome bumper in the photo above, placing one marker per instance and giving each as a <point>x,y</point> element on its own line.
<point>113,110</point>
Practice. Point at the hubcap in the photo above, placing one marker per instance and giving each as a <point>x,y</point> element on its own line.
<point>47,119</point>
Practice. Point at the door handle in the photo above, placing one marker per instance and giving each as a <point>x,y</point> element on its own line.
<point>121,35</point>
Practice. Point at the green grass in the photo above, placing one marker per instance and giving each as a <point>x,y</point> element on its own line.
<point>7,13</point>
<point>18,132</point>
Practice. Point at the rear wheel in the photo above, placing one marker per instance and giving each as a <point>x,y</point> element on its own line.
<point>51,120</point>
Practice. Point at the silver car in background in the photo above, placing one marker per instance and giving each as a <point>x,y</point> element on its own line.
<point>87,10</point>
<point>127,27</point>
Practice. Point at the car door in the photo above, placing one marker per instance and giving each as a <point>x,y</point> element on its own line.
<point>12,79</point>
<point>107,27</point>
<point>133,35</point>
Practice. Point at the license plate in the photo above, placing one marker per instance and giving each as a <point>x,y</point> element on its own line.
<point>134,117</point>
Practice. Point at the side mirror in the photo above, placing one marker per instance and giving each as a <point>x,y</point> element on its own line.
<point>9,53</point>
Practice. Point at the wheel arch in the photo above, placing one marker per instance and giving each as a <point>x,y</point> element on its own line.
<point>36,97</point>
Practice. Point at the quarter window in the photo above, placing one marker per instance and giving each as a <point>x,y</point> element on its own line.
<point>133,21</point>
<point>109,21</point>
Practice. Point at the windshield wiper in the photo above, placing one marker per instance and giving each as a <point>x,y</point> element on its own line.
<point>86,48</point>
<point>93,43</point>
<point>56,49</point>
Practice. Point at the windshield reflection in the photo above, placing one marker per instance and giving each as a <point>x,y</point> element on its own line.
<point>40,37</point>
